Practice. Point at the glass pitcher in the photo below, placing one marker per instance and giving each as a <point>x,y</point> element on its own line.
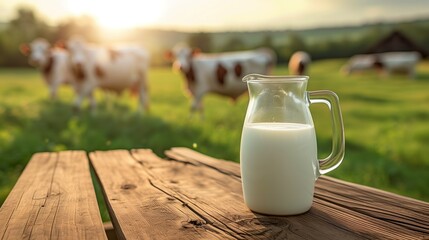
<point>278,151</point>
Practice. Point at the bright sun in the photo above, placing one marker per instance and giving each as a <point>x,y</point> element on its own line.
<point>119,14</point>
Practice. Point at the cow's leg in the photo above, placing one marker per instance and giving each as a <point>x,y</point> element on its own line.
<point>53,92</point>
<point>83,92</point>
<point>92,102</point>
<point>144,101</point>
<point>197,104</point>
<point>55,85</point>
<point>78,101</point>
<point>143,94</point>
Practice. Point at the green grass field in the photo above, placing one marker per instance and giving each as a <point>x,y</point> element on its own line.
<point>386,124</point>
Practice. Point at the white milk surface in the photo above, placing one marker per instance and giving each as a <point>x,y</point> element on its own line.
<point>278,167</point>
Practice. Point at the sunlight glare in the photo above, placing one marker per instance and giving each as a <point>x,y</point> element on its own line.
<point>118,14</point>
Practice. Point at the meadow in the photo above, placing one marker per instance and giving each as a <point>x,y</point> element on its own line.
<point>386,124</point>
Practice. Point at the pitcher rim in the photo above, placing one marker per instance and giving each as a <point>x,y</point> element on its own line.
<point>274,78</point>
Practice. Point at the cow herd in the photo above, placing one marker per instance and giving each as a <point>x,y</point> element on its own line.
<point>88,67</point>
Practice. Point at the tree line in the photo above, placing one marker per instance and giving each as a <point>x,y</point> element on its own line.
<point>27,26</point>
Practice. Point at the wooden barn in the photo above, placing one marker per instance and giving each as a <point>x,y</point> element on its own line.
<point>395,53</point>
<point>396,41</point>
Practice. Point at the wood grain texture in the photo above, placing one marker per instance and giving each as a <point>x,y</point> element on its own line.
<point>138,208</point>
<point>188,196</point>
<point>365,211</point>
<point>54,198</point>
<point>194,196</point>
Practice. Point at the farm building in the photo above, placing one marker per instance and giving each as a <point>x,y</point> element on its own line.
<point>395,53</point>
<point>396,41</point>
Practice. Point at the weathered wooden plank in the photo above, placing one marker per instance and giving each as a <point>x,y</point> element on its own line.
<point>190,156</point>
<point>217,198</point>
<point>399,210</point>
<point>54,198</point>
<point>366,211</point>
<point>138,208</point>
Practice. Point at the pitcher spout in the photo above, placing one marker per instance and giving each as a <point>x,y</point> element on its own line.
<point>250,77</point>
<point>292,78</point>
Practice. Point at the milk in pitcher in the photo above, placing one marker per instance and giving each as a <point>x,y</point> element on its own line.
<point>279,165</point>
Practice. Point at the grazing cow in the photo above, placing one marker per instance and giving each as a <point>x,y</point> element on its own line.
<point>52,62</point>
<point>219,73</point>
<point>299,63</point>
<point>359,62</point>
<point>111,69</point>
<point>387,63</point>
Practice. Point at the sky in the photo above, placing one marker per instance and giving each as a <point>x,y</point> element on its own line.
<point>222,15</point>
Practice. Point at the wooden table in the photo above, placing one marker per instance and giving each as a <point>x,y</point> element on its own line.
<point>187,196</point>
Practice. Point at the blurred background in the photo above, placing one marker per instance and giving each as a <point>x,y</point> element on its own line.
<point>326,29</point>
<point>385,115</point>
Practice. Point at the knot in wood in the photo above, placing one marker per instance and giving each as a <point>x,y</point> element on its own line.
<point>193,223</point>
<point>128,186</point>
<point>196,222</point>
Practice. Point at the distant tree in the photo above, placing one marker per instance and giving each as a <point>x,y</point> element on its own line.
<point>295,43</point>
<point>267,41</point>
<point>234,43</point>
<point>28,26</point>
<point>417,32</point>
<point>201,40</point>
<point>374,34</point>
<point>3,49</point>
<point>25,27</point>
<point>84,26</point>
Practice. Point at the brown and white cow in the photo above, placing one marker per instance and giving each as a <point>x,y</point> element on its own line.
<point>219,73</point>
<point>112,69</point>
<point>52,62</point>
<point>299,63</point>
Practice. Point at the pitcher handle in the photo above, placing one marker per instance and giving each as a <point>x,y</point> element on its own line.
<point>338,140</point>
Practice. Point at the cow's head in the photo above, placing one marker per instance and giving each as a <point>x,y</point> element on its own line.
<point>38,52</point>
<point>181,56</point>
<point>78,55</point>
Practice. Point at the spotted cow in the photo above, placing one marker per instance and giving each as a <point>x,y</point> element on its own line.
<point>113,69</point>
<point>52,62</point>
<point>219,73</point>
